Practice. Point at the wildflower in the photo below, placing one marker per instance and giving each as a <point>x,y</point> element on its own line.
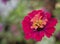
<point>37,24</point>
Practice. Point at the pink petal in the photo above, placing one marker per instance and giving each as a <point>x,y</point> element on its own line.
<point>31,14</point>
<point>26,25</point>
<point>48,35</point>
<point>35,12</point>
<point>26,19</point>
<point>48,15</point>
<point>28,36</point>
<point>51,23</point>
<point>49,32</point>
<point>38,36</point>
<point>42,33</point>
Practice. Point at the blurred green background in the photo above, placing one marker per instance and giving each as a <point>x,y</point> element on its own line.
<point>11,30</point>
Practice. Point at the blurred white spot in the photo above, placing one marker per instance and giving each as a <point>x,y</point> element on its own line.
<point>6,8</point>
<point>58,5</point>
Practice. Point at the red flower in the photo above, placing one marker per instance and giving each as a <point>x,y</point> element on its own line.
<point>38,24</point>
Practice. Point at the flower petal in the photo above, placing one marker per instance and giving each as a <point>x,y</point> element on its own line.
<point>26,24</point>
<point>51,23</point>
<point>28,36</point>
<point>49,32</point>
<point>38,36</point>
<point>33,13</point>
<point>48,15</point>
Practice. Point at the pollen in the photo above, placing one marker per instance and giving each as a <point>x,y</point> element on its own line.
<point>38,21</point>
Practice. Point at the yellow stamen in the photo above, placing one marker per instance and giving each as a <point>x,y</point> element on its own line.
<point>38,22</point>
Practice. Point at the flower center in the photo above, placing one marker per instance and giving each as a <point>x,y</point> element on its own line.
<point>38,22</point>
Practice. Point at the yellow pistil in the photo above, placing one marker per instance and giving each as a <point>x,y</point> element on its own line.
<point>38,22</point>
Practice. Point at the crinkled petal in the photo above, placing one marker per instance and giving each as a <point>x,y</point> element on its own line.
<point>48,15</point>
<point>28,36</point>
<point>26,25</point>
<point>31,14</point>
<point>51,23</point>
<point>35,12</point>
<point>38,36</point>
<point>49,32</point>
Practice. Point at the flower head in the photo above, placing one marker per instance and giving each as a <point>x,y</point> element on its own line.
<point>5,1</point>
<point>37,24</point>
